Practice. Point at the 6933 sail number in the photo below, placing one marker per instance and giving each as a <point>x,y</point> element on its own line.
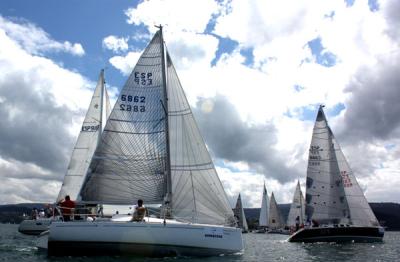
<point>133,103</point>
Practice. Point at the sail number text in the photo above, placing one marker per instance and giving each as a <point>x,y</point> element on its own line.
<point>90,128</point>
<point>133,103</point>
<point>144,79</point>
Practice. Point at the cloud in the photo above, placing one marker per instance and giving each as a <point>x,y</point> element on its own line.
<point>115,44</point>
<point>175,15</point>
<point>41,117</point>
<point>125,63</point>
<point>36,41</point>
<point>231,139</point>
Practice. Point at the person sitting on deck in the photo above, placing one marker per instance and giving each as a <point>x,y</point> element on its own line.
<point>67,207</point>
<point>297,223</point>
<point>140,211</point>
<point>315,223</point>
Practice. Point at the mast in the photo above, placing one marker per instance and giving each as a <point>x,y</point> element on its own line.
<point>301,203</point>
<point>101,105</point>
<point>164,83</point>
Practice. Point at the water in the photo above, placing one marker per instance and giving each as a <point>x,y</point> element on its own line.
<point>259,247</point>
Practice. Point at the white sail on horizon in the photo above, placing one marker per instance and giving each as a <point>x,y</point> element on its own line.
<point>333,195</point>
<point>275,220</point>
<point>240,215</point>
<point>297,207</point>
<point>263,219</point>
<point>86,142</point>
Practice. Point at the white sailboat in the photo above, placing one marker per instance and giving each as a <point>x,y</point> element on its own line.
<point>275,220</point>
<point>240,216</point>
<point>263,219</point>
<point>297,209</point>
<point>333,197</point>
<point>151,149</point>
<point>82,153</point>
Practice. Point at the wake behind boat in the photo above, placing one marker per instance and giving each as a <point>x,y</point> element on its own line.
<point>152,149</point>
<point>335,203</point>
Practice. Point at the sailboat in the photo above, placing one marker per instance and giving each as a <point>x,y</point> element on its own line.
<point>297,209</point>
<point>240,216</point>
<point>82,153</point>
<point>334,200</point>
<point>263,219</point>
<point>275,220</point>
<point>151,149</point>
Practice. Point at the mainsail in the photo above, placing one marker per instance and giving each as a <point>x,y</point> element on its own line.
<point>151,148</point>
<point>275,220</point>
<point>86,142</point>
<point>240,216</point>
<point>333,195</point>
<point>263,220</point>
<point>297,208</point>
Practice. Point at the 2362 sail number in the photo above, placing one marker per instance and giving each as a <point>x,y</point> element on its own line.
<point>132,99</point>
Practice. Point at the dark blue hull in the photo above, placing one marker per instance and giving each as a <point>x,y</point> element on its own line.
<point>338,234</point>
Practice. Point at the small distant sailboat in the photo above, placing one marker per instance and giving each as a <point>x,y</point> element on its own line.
<point>333,197</point>
<point>263,219</point>
<point>275,220</point>
<point>297,210</point>
<point>151,149</point>
<point>82,153</point>
<point>240,216</point>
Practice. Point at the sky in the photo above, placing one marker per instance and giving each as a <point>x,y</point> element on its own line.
<point>254,72</point>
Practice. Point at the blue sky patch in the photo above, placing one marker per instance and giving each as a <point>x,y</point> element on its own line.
<point>225,45</point>
<point>322,56</point>
<point>373,5</point>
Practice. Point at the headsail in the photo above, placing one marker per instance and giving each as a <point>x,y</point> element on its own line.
<point>85,145</point>
<point>275,220</point>
<point>297,208</point>
<point>129,163</point>
<point>239,214</point>
<point>263,220</point>
<point>333,195</point>
<point>198,194</point>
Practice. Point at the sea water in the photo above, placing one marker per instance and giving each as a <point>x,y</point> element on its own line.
<point>259,247</point>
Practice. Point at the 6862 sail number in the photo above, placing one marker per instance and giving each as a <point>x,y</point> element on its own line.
<point>133,103</point>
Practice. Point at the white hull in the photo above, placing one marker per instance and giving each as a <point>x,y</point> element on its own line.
<point>151,238</point>
<point>35,227</point>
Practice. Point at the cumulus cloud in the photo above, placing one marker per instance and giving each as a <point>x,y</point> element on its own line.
<point>231,139</point>
<point>115,44</point>
<point>40,118</point>
<point>36,41</point>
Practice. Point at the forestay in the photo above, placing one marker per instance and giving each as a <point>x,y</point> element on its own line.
<point>129,163</point>
<point>197,192</point>
<point>263,220</point>
<point>85,144</point>
<point>275,220</point>
<point>333,195</point>
<point>297,208</point>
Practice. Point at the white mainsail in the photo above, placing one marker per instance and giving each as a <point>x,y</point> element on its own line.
<point>275,220</point>
<point>297,208</point>
<point>333,195</point>
<point>240,216</point>
<point>86,143</point>
<point>151,148</point>
<point>263,219</point>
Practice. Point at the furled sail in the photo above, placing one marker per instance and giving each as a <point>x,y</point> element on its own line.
<point>263,220</point>
<point>297,208</point>
<point>275,220</point>
<point>85,145</point>
<point>239,215</point>
<point>332,193</point>
<point>197,192</point>
<point>130,161</point>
